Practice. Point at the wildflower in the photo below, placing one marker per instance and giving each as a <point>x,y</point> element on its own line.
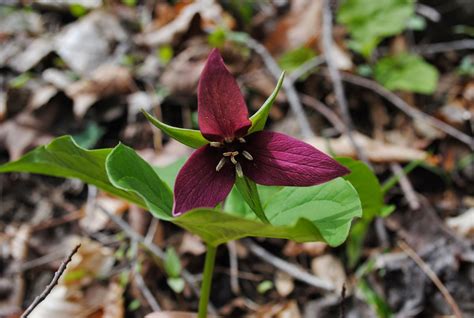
<point>267,158</point>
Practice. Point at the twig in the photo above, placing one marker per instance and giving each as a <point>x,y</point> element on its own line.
<point>428,12</point>
<point>288,86</point>
<point>158,252</point>
<point>433,48</point>
<point>324,110</point>
<point>434,278</point>
<point>407,109</point>
<point>305,68</point>
<point>335,77</point>
<point>138,278</point>
<point>343,297</point>
<point>234,267</point>
<point>406,186</point>
<point>289,268</point>
<point>52,284</point>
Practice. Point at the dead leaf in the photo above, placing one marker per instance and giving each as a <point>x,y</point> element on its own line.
<point>107,80</point>
<point>192,244</point>
<point>281,310</point>
<point>463,223</point>
<point>284,283</point>
<point>330,269</point>
<point>32,54</point>
<point>88,43</point>
<point>171,314</point>
<point>293,249</point>
<point>207,9</point>
<point>376,151</point>
<point>95,220</point>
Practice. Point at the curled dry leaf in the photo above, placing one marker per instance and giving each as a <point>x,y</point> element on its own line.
<point>329,268</point>
<point>208,10</point>
<point>376,151</point>
<point>105,81</point>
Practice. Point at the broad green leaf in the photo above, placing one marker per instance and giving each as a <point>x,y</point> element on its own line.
<point>295,58</point>
<point>407,72</point>
<point>168,173</point>
<point>129,172</point>
<point>367,185</point>
<point>189,137</point>
<point>64,158</point>
<point>370,21</point>
<point>260,117</point>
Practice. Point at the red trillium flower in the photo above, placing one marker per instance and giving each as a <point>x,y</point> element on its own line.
<point>267,158</point>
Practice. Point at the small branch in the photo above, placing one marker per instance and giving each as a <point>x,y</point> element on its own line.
<point>289,268</point>
<point>288,86</point>
<point>407,109</point>
<point>335,77</point>
<point>406,186</point>
<point>234,267</point>
<point>305,68</point>
<point>51,285</point>
<point>324,110</point>
<point>425,49</point>
<point>434,278</point>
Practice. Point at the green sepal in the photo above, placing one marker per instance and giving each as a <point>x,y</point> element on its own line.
<point>189,137</point>
<point>248,191</point>
<point>260,117</point>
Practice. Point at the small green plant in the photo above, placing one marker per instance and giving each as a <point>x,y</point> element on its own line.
<point>269,184</point>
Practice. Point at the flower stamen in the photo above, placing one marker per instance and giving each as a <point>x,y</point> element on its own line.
<point>242,140</point>
<point>230,153</point>
<point>233,160</point>
<point>238,169</point>
<point>247,155</point>
<point>216,144</point>
<point>220,164</point>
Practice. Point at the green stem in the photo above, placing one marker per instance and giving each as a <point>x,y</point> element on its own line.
<point>207,280</point>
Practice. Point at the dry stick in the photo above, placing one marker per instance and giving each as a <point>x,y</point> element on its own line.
<point>434,48</point>
<point>158,252</point>
<point>406,186</point>
<point>51,285</point>
<point>288,86</point>
<point>336,80</point>
<point>324,110</point>
<point>289,268</point>
<point>434,278</point>
<point>407,109</point>
<point>234,267</point>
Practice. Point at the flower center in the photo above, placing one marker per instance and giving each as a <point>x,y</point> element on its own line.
<point>231,151</point>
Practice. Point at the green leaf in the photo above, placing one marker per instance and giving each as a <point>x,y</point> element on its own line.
<point>168,173</point>
<point>172,263</point>
<point>407,72</point>
<point>374,300</point>
<point>370,21</point>
<point>260,117</point>
<point>89,136</point>
<point>295,58</point>
<point>264,286</point>
<point>176,284</point>
<point>248,191</point>
<point>217,37</point>
<point>189,137</point>
<point>64,158</point>
<point>367,185</point>
<point>129,172</point>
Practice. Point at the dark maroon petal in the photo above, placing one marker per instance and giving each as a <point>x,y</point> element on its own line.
<point>222,112</point>
<point>198,184</point>
<point>282,160</point>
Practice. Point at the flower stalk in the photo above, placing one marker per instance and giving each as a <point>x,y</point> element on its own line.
<point>207,280</point>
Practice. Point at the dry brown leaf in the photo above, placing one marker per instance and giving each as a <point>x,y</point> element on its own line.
<point>87,43</point>
<point>94,219</point>
<point>192,244</point>
<point>330,269</point>
<point>463,223</point>
<point>32,54</point>
<point>284,283</point>
<point>208,10</point>
<point>171,314</point>
<point>105,81</point>
<point>281,310</point>
<point>376,151</point>
<point>293,249</point>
